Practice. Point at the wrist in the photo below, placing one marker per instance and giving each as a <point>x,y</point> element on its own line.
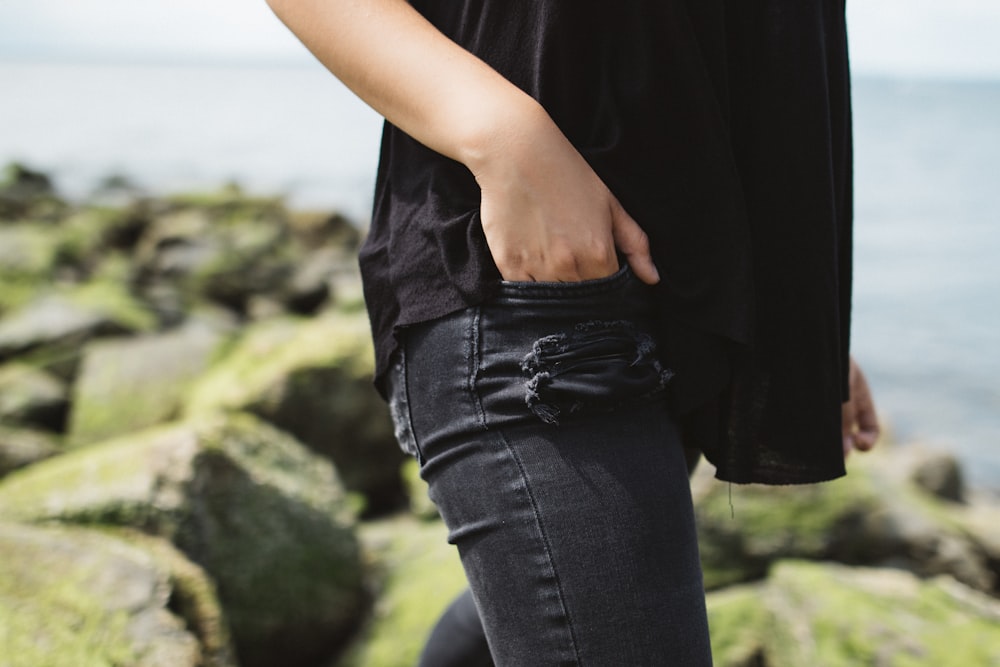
<point>500,128</point>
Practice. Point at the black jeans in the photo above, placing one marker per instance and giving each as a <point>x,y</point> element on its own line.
<point>540,426</point>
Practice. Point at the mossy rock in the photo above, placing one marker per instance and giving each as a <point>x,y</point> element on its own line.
<point>21,447</point>
<point>227,252</point>
<point>127,384</point>
<point>28,252</point>
<point>416,576</point>
<point>88,234</point>
<point>26,193</point>
<point>63,318</point>
<point>866,518</point>
<point>263,516</point>
<point>831,615</point>
<point>32,398</point>
<point>313,378</point>
<point>743,529</point>
<point>71,597</point>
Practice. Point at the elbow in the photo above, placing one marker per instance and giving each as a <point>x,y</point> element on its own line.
<point>277,5</point>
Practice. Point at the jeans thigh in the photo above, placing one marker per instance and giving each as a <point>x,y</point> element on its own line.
<point>541,429</point>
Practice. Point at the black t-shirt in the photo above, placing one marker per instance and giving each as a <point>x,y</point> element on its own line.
<point>723,128</point>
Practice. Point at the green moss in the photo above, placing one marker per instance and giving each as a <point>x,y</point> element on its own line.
<point>57,620</point>
<point>109,486</point>
<point>126,385</point>
<point>740,534</point>
<point>270,350</point>
<point>416,490</point>
<point>28,251</point>
<point>16,293</point>
<point>229,198</point>
<point>739,625</point>
<point>194,598</point>
<point>256,510</point>
<point>86,233</point>
<point>114,301</point>
<point>417,574</point>
<point>835,616</point>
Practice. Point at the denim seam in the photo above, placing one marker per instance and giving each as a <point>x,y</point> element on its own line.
<point>407,406</point>
<point>545,544</point>
<point>474,355</point>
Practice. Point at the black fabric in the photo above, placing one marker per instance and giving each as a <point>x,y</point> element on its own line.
<point>724,130</point>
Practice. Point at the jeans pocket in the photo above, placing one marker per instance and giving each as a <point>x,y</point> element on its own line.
<point>548,288</point>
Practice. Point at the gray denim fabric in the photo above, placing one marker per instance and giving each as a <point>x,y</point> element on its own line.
<point>539,421</point>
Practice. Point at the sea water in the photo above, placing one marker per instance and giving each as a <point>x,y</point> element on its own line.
<point>927,242</point>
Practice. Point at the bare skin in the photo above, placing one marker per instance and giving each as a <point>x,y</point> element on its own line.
<point>860,421</point>
<point>546,214</point>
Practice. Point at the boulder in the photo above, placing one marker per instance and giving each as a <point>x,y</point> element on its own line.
<point>226,251</point>
<point>71,597</point>
<point>60,321</point>
<point>25,192</point>
<point>874,516</point>
<point>127,384</point>
<point>87,235</point>
<point>832,615</point>
<point>313,378</point>
<point>939,474</point>
<point>415,576</point>
<point>28,251</point>
<point>265,518</point>
<point>21,447</point>
<point>30,397</point>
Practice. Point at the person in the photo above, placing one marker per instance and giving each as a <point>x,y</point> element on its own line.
<point>605,235</point>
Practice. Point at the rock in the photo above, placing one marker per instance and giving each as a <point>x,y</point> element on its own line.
<point>25,192</point>
<point>874,516</point>
<point>71,597</point>
<point>827,614</point>
<point>312,378</point>
<point>416,575</point>
<point>32,398</point>
<point>28,252</point>
<point>127,384</point>
<point>21,447</point>
<point>940,475</point>
<point>314,229</point>
<point>21,181</point>
<point>421,505</point>
<point>88,235</point>
<point>265,518</point>
<point>225,252</point>
<point>309,286</point>
<point>66,318</point>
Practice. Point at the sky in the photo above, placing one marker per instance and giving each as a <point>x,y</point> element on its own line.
<point>906,38</point>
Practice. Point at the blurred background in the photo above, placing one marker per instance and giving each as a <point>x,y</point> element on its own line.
<point>117,99</point>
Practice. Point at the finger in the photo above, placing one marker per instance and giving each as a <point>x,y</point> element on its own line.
<point>847,422</point>
<point>866,415</point>
<point>632,242</point>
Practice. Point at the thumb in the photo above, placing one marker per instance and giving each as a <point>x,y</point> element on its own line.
<point>632,242</point>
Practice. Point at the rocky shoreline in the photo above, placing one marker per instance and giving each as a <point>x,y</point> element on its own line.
<point>195,470</point>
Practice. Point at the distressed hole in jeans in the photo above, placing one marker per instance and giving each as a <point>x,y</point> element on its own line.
<point>599,365</point>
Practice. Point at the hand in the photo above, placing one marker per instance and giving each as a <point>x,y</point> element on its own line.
<point>547,216</point>
<point>859,421</point>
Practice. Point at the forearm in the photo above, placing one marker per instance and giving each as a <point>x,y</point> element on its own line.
<point>408,71</point>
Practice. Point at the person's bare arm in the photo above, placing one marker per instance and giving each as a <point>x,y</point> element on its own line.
<point>546,214</point>
<point>859,419</point>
